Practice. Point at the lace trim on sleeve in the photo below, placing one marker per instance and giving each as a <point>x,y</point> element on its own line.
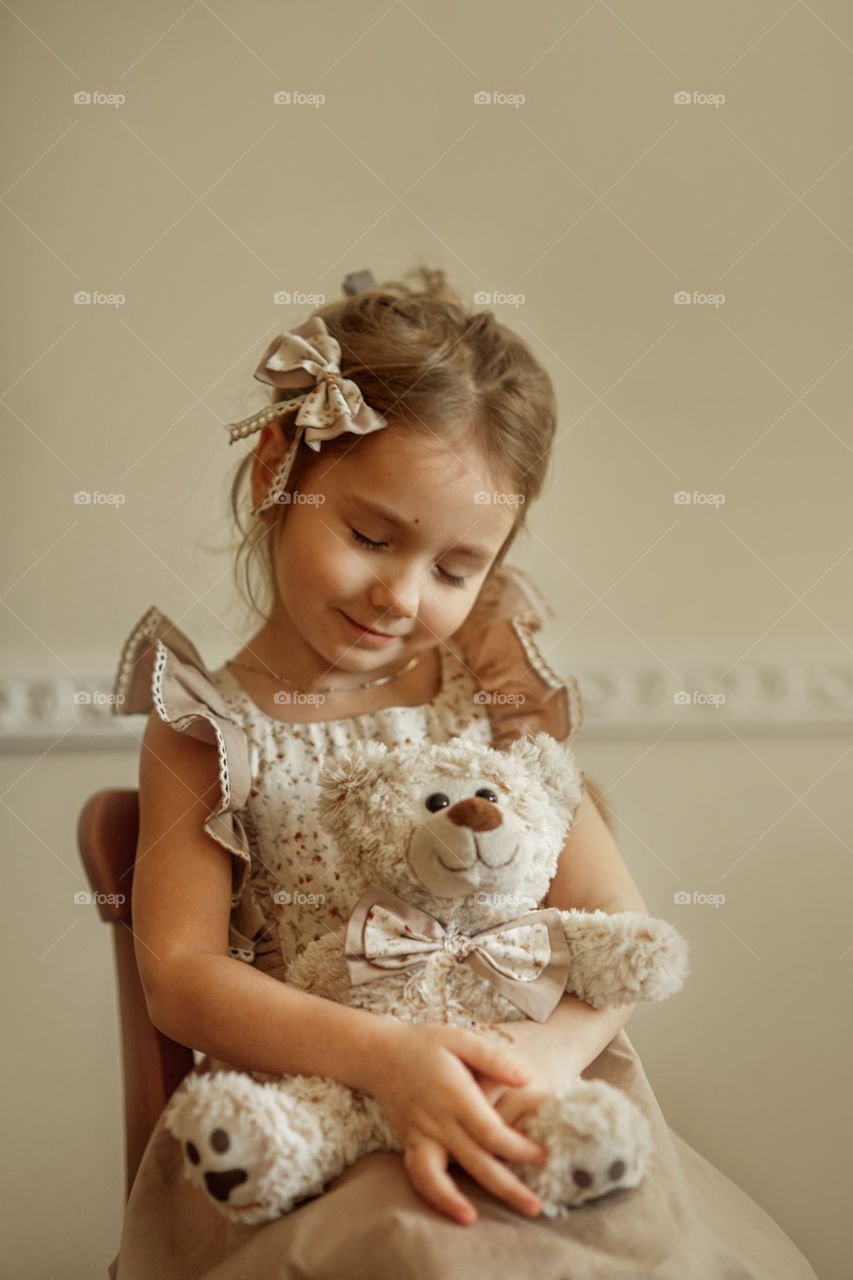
<point>161,668</point>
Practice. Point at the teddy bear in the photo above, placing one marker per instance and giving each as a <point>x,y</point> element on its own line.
<point>451,848</point>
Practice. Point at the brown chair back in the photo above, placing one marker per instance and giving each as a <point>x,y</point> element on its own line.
<point>153,1065</point>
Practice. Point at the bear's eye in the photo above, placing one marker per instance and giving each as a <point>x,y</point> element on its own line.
<point>438,800</point>
<point>487,794</point>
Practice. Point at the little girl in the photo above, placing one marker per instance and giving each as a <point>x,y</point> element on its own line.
<point>393,469</point>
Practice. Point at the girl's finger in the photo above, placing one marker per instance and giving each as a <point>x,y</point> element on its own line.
<point>426,1164</point>
<point>487,1058</point>
<point>493,1175</point>
<point>492,1134</point>
<point>492,1090</point>
<point>503,1140</point>
<point>490,1131</point>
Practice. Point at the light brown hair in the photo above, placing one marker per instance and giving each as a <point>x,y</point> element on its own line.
<point>425,361</point>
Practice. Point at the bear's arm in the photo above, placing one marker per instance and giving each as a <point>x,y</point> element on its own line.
<point>619,958</point>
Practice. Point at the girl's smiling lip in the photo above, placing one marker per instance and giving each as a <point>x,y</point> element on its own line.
<point>375,637</point>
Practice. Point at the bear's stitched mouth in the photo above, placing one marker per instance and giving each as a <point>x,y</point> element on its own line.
<point>493,866</point>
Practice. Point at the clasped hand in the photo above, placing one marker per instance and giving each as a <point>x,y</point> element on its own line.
<point>450,1093</point>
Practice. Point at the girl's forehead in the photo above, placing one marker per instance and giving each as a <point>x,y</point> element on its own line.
<point>459,503</point>
<point>440,486</point>
<point>396,462</point>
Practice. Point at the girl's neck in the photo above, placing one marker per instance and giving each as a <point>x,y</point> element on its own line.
<point>420,685</point>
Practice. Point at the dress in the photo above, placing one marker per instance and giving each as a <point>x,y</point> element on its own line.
<point>686,1220</point>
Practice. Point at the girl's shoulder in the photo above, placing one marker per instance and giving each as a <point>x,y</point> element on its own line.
<point>521,691</point>
<point>160,669</point>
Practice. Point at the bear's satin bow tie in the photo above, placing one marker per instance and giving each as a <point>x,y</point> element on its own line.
<point>526,959</point>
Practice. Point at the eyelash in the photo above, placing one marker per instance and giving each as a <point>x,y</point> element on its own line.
<point>451,579</point>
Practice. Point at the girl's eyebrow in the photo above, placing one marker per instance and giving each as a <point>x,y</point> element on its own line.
<point>385,513</point>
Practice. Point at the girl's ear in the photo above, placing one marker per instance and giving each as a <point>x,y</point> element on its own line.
<point>269,451</point>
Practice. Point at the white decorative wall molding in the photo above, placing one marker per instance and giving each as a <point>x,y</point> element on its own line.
<point>49,712</point>
<point>708,698</point>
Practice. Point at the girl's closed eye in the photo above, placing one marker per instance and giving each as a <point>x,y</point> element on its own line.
<point>451,578</point>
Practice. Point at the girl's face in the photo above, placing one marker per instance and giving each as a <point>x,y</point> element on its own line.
<point>410,574</point>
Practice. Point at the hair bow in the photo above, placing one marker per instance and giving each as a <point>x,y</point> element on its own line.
<point>307,356</point>
<point>527,959</point>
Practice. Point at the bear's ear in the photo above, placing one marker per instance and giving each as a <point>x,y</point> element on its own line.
<point>553,763</point>
<point>347,779</point>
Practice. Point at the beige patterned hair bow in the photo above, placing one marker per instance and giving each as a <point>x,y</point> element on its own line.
<point>308,356</point>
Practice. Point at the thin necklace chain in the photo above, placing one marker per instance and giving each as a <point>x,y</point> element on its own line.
<point>328,688</point>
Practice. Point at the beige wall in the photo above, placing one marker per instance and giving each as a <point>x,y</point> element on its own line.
<point>598,199</point>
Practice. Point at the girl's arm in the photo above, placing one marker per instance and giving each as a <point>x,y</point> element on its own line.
<point>591,875</point>
<point>197,993</point>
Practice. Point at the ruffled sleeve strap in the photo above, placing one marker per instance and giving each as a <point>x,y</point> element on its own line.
<point>160,667</point>
<point>522,693</point>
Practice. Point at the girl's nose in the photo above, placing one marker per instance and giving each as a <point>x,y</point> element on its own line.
<point>397,595</point>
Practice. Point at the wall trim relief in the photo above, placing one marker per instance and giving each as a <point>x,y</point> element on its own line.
<point>49,712</point>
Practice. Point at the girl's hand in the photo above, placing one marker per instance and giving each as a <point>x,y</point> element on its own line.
<point>436,1107</point>
<point>549,1066</point>
<point>512,1105</point>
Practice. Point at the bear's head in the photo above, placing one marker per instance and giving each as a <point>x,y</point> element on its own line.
<point>455,826</point>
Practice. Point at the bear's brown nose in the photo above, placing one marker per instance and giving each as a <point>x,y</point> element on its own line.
<point>476,813</point>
